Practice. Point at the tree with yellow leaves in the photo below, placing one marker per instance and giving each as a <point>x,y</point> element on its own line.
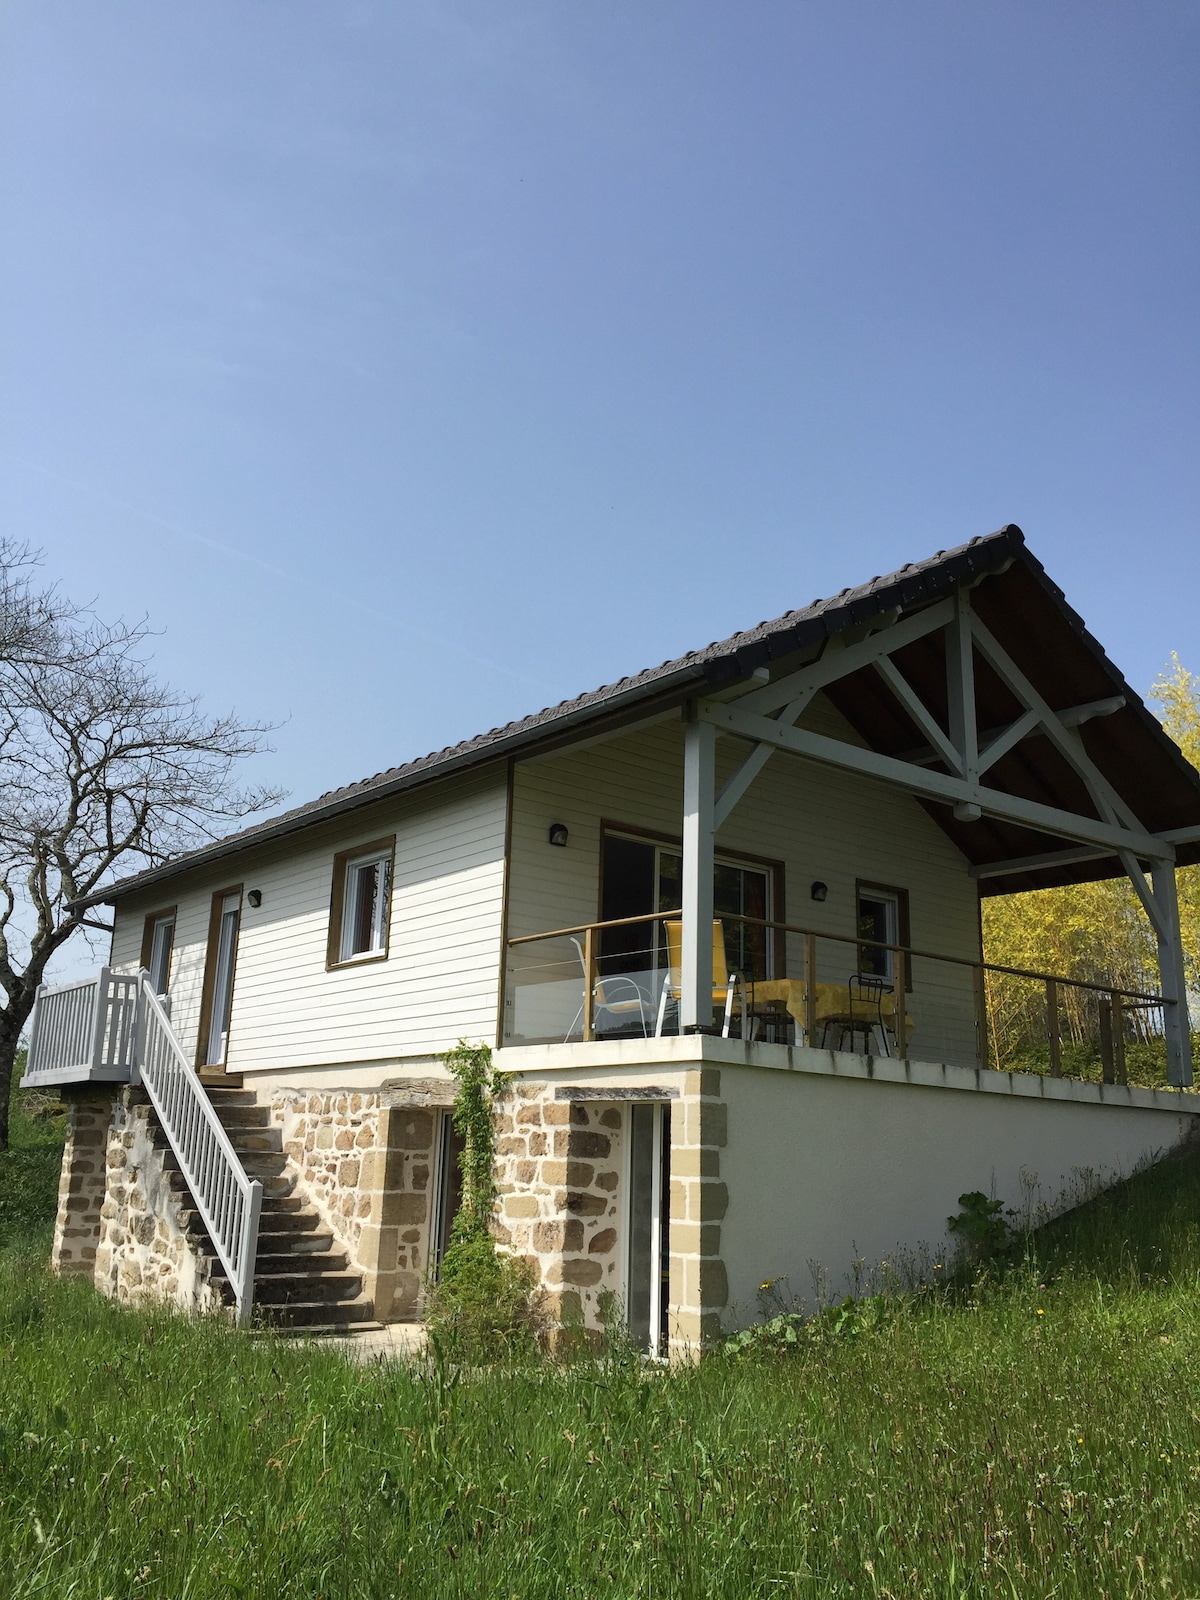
<point>1093,932</point>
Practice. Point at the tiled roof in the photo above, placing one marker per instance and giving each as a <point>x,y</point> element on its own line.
<point>721,662</point>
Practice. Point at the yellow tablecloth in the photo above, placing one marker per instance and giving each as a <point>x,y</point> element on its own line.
<point>832,1000</point>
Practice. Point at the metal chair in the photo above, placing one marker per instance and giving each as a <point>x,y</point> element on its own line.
<point>724,982</point>
<point>604,997</point>
<point>865,991</point>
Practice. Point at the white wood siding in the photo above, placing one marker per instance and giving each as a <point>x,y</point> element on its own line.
<point>820,822</point>
<point>440,980</point>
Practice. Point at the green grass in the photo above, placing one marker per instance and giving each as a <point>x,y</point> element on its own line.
<point>1015,1440</point>
<point>29,1168</point>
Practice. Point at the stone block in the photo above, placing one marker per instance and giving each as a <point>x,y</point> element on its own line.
<point>348,1174</point>
<point>607,1181</point>
<point>571,1174</point>
<point>611,1118</point>
<point>365,1137</point>
<point>549,1237</point>
<point>324,1137</point>
<point>556,1114</point>
<point>580,1117</point>
<point>344,1140</point>
<point>529,1115</point>
<point>419,1176</point>
<point>575,1270</point>
<point>526,1171</point>
<point>582,1143</point>
<point>511,1145</point>
<point>714,1283</point>
<point>410,1208</point>
<point>538,1144</point>
<point>412,1129</point>
<point>581,1203</point>
<point>601,1243</point>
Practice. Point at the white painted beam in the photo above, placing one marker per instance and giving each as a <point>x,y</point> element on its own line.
<point>839,663</point>
<point>920,713</point>
<point>1176,1022</point>
<point>933,785</point>
<point>1049,858</point>
<point>699,784</point>
<point>738,782</point>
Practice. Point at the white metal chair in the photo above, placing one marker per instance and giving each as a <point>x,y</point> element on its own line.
<point>617,994</point>
<point>724,982</point>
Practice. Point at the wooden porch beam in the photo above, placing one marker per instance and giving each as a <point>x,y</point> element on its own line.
<point>1051,858</point>
<point>903,690</point>
<point>951,791</point>
<point>1029,725</point>
<point>738,782</point>
<point>835,664</point>
<point>1173,976</point>
<point>699,785</point>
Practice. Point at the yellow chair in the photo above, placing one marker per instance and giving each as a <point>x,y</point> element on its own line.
<point>724,982</point>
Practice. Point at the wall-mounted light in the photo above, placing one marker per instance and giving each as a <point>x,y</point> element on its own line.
<point>819,890</point>
<point>255,898</point>
<point>558,833</point>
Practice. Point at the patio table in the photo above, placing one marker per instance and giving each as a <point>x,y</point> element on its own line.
<point>832,1001</point>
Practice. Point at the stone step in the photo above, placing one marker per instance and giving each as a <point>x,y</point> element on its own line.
<point>281,1242</point>
<point>324,1327</point>
<point>254,1141</point>
<point>275,1188</point>
<point>230,1097</point>
<point>238,1117</point>
<point>286,1288</point>
<point>258,1163</point>
<point>295,1264</point>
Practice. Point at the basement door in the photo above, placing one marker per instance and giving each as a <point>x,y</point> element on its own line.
<point>648,1288</point>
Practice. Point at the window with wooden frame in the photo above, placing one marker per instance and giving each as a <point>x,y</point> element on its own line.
<point>642,871</point>
<point>882,914</point>
<point>360,904</point>
<point>158,946</point>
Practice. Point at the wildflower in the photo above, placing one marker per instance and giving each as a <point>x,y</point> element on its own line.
<point>1079,1441</point>
<point>766,1285</point>
<point>1041,1313</point>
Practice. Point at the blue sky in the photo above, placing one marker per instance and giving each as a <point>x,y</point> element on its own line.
<point>416,365</point>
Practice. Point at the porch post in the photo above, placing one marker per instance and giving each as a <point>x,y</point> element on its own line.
<point>1176,1023</point>
<point>699,798</point>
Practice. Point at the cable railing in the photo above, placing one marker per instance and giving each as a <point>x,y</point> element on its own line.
<point>114,1028</point>
<point>620,978</point>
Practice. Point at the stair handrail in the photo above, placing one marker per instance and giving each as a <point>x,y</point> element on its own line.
<point>227,1198</point>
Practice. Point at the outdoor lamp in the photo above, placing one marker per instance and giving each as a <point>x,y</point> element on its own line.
<point>255,898</point>
<point>558,833</point>
<point>819,890</point>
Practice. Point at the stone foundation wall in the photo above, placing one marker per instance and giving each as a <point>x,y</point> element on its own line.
<point>366,1166</point>
<point>119,1221</point>
<point>81,1182</point>
<point>558,1172</point>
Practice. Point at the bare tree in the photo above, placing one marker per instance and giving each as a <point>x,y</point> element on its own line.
<point>103,770</point>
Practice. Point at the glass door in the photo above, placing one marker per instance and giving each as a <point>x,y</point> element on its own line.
<point>648,1288</point>
<point>224,955</point>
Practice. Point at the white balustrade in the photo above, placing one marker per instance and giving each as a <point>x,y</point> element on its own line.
<point>114,1028</point>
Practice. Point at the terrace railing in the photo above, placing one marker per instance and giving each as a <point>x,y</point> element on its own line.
<point>114,1028</point>
<point>83,1031</point>
<point>585,982</point>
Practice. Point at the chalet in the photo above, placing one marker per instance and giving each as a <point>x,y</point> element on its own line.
<point>720,923</point>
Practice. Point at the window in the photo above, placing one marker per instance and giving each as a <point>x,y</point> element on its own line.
<point>882,916</point>
<point>360,909</point>
<point>642,874</point>
<point>158,944</point>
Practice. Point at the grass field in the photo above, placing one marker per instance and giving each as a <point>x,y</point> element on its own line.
<point>1013,1440</point>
